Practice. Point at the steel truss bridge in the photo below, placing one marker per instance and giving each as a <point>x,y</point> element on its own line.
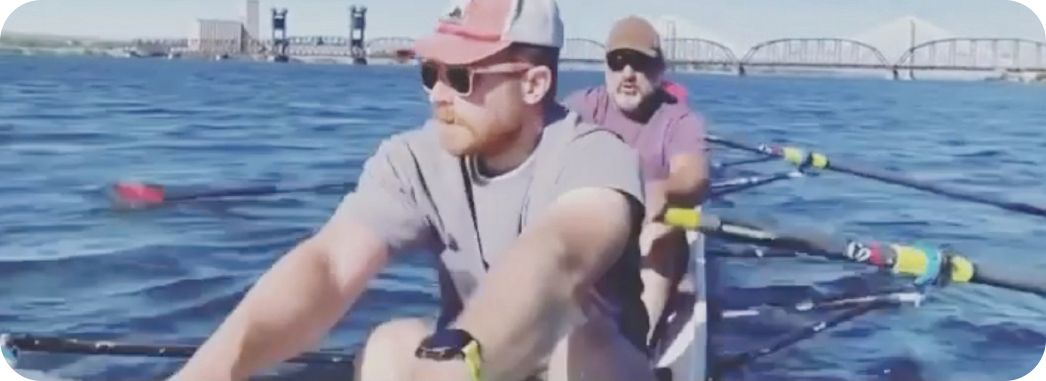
<point>954,54</point>
<point>300,46</point>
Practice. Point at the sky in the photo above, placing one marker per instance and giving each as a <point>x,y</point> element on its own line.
<point>737,23</point>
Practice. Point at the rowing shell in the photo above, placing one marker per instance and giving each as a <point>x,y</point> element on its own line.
<point>685,350</point>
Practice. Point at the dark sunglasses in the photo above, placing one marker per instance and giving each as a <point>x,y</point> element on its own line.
<point>461,78</point>
<point>618,59</point>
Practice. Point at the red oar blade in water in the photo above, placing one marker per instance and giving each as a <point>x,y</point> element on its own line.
<point>134,194</point>
<point>137,195</point>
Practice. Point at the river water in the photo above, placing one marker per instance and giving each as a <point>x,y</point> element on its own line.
<point>72,265</point>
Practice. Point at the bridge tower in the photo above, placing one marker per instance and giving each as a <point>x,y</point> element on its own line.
<point>357,26</point>
<point>279,35</point>
<point>911,63</point>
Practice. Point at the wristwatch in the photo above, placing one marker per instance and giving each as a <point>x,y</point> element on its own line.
<point>452,344</point>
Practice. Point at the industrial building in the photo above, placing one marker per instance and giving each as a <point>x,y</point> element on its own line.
<point>219,37</point>
<point>251,20</point>
<point>227,37</point>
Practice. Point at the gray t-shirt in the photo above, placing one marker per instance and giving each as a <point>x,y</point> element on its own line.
<point>494,198</point>
<point>415,195</point>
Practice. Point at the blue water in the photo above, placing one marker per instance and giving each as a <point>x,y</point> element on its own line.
<point>73,265</point>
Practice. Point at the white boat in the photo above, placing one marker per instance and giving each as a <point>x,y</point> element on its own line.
<point>684,351</point>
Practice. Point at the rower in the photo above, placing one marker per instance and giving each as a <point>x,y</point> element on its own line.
<point>537,243</point>
<point>648,113</point>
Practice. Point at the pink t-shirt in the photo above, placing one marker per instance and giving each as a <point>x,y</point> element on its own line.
<point>673,129</point>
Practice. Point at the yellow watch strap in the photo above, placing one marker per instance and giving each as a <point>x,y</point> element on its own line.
<point>473,359</point>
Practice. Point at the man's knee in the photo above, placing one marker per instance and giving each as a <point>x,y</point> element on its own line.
<point>389,344</point>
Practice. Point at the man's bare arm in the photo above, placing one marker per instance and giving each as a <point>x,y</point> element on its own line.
<point>293,305</point>
<point>533,296</point>
<point>687,183</point>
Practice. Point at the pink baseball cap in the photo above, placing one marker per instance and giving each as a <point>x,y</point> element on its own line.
<point>471,30</point>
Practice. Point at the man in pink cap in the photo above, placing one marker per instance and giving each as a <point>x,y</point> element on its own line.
<point>533,217</point>
<point>637,104</point>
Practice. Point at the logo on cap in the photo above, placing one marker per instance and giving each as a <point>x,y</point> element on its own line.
<point>455,12</point>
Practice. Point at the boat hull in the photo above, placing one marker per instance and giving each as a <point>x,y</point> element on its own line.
<point>684,351</point>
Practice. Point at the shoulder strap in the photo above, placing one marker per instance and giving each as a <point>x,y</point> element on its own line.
<point>467,179</point>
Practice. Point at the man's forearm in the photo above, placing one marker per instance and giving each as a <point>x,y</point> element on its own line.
<point>687,184</point>
<point>534,296</point>
<point>522,308</point>
<point>289,310</point>
<point>659,245</point>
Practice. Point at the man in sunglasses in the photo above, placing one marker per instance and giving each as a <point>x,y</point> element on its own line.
<point>669,138</point>
<point>533,217</point>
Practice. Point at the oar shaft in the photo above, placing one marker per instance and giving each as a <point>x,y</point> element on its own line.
<point>32,343</point>
<point>739,360</point>
<point>821,161</point>
<point>927,264</point>
<point>724,188</point>
<point>1025,281</point>
<point>895,179</point>
<point>248,191</point>
<point>828,304</point>
<point>260,190</point>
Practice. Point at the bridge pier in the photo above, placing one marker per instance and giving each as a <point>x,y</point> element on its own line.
<point>740,70</point>
<point>357,26</point>
<point>279,36</point>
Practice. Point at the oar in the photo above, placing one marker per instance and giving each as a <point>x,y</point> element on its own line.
<point>801,157</point>
<point>137,194</point>
<point>741,184</point>
<point>736,361</point>
<point>901,297</point>
<point>928,264</point>
<point>13,343</point>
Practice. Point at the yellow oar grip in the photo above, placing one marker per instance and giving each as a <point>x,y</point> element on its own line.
<point>818,160</point>
<point>910,261</point>
<point>798,156</point>
<point>689,219</point>
<point>962,269</point>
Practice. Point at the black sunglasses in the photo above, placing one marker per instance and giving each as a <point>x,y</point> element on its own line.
<point>458,78</point>
<point>618,59</point>
<point>461,78</point>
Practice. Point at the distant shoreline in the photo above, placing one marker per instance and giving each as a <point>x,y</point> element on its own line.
<point>59,46</point>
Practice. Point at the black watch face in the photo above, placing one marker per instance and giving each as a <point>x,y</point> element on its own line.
<point>444,345</point>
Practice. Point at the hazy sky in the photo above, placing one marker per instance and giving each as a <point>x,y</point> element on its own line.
<point>738,23</point>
